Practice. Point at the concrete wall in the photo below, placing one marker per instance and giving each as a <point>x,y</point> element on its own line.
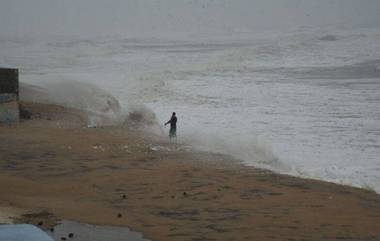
<point>9,96</point>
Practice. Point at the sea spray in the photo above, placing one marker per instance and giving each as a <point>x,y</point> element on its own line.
<point>101,107</point>
<point>143,118</point>
<point>252,152</point>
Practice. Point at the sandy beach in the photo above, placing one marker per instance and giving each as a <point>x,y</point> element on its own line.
<point>53,167</point>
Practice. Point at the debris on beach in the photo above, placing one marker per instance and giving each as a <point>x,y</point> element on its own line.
<point>159,148</point>
<point>98,147</point>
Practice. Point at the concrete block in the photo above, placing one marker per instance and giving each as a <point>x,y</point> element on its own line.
<point>4,98</point>
<point>9,112</point>
<point>9,81</point>
<point>9,96</point>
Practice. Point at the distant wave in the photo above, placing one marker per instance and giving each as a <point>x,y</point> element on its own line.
<point>72,44</point>
<point>329,37</point>
<point>364,70</point>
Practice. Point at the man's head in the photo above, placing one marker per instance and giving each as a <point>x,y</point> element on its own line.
<point>173,113</point>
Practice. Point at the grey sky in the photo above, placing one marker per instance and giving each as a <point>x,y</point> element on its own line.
<point>133,16</point>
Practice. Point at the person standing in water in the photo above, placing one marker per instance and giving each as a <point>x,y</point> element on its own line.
<point>173,126</point>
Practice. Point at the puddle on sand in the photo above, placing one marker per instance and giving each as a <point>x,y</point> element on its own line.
<point>74,231</point>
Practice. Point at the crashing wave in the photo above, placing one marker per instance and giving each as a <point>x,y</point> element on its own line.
<point>100,106</point>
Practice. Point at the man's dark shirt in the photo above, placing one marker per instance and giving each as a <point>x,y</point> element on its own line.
<point>173,122</point>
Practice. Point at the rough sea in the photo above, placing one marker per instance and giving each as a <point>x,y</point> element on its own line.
<point>303,102</point>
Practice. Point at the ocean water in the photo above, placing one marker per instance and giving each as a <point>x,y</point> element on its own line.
<point>305,102</point>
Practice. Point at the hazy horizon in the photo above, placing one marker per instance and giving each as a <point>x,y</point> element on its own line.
<point>99,17</point>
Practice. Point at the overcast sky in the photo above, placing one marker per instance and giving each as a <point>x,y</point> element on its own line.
<point>100,17</point>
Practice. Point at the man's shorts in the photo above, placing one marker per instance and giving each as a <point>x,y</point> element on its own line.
<point>173,132</point>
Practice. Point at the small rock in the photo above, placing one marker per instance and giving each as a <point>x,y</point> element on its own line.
<point>124,197</point>
<point>119,215</point>
<point>184,194</point>
<point>71,235</point>
<point>25,114</point>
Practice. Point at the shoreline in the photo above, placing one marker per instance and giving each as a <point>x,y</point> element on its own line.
<point>121,177</point>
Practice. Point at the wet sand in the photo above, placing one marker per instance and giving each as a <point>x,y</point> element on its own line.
<point>56,168</point>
